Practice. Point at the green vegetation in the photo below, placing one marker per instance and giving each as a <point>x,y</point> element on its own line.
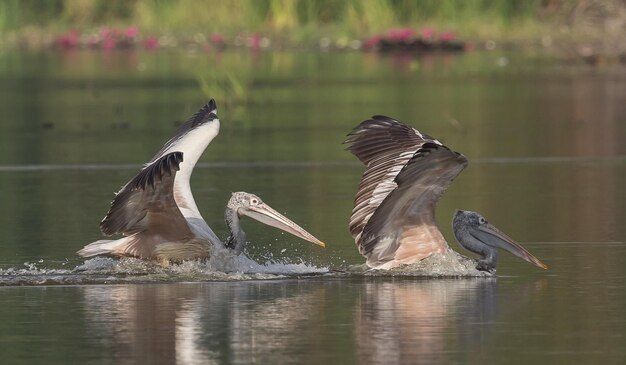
<point>298,22</point>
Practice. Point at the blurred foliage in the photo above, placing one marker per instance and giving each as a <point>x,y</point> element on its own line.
<point>295,19</point>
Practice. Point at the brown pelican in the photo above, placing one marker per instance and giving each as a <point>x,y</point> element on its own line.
<point>393,220</point>
<point>158,216</point>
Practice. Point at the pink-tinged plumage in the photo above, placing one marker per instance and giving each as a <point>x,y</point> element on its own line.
<point>406,172</point>
<point>156,211</point>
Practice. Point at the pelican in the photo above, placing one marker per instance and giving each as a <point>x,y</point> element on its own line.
<point>406,173</point>
<point>158,216</point>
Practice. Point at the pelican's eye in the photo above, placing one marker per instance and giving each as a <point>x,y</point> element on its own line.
<point>254,201</point>
<point>482,220</point>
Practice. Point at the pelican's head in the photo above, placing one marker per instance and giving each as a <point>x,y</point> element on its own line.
<point>477,235</point>
<point>250,205</point>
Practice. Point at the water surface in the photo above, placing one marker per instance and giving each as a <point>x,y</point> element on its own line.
<point>547,156</point>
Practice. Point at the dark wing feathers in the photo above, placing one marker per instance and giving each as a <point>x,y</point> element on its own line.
<point>204,115</point>
<point>147,177</point>
<point>150,190</point>
<point>381,136</point>
<point>404,169</point>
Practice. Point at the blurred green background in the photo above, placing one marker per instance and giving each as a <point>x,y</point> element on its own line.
<point>300,22</point>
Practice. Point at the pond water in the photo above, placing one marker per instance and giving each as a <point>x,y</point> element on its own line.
<point>545,140</point>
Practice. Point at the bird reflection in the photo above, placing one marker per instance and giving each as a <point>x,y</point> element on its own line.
<point>147,324</point>
<point>413,321</point>
<point>366,320</point>
<point>201,323</point>
<point>275,325</point>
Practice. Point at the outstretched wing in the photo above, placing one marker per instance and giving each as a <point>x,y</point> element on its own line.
<point>146,204</point>
<point>408,213</point>
<point>384,145</point>
<point>191,138</point>
<point>406,174</point>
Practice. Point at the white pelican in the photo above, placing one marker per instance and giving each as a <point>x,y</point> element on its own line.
<point>393,220</point>
<point>158,216</point>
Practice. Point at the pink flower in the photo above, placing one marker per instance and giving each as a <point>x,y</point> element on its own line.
<point>108,43</point>
<point>401,34</point>
<point>217,38</point>
<point>447,36</point>
<point>151,43</point>
<point>372,41</point>
<point>254,40</point>
<point>427,32</point>
<point>105,32</point>
<point>131,32</point>
<point>69,39</point>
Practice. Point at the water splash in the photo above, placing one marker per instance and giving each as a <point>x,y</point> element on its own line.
<point>449,264</point>
<point>222,266</point>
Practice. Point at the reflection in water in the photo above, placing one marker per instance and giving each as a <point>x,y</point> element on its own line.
<point>276,324</point>
<point>401,323</point>
<point>187,337</point>
<point>379,321</point>
<point>188,324</point>
<point>147,324</point>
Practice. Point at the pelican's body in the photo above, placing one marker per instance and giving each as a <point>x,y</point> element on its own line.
<point>156,211</point>
<point>393,220</point>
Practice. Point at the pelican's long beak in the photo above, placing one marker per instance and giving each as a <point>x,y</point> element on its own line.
<point>493,237</point>
<point>265,214</point>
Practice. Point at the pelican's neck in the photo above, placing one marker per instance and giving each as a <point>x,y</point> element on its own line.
<point>237,237</point>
